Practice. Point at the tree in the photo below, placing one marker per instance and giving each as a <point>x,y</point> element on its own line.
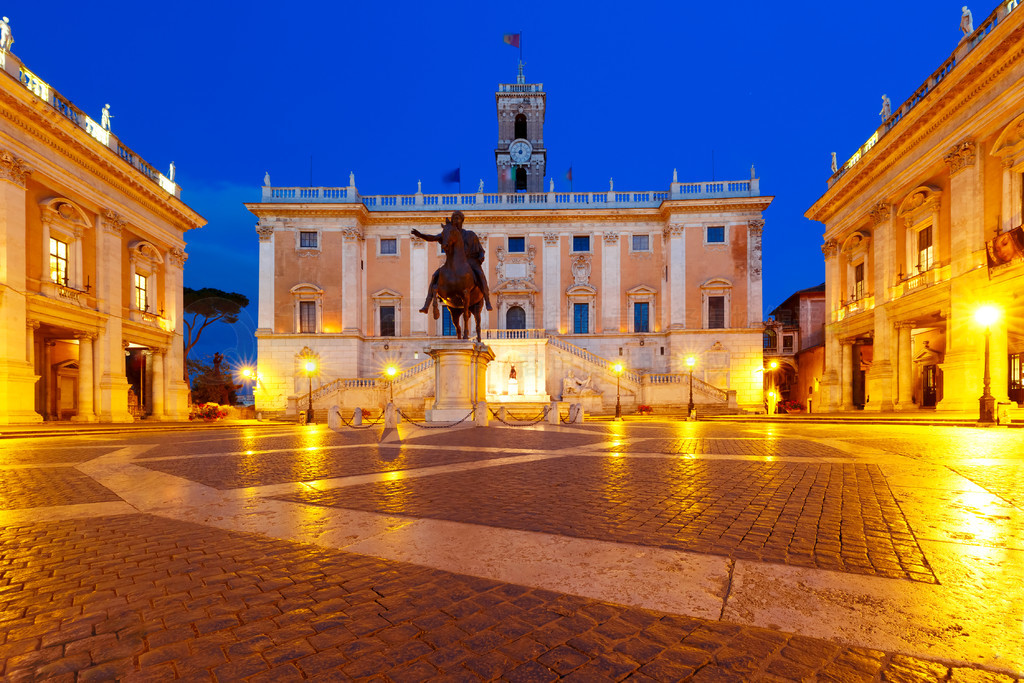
<point>206,306</point>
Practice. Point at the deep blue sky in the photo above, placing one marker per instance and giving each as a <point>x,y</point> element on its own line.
<point>401,91</point>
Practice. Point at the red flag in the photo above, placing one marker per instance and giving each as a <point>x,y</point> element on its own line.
<point>512,39</point>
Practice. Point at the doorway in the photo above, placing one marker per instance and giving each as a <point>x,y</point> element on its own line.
<point>929,385</point>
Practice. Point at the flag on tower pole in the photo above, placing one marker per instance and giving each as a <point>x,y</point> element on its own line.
<point>568,176</point>
<point>512,39</point>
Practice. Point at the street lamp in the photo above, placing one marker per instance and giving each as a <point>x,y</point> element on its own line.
<point>772,393</point>
<point>689,406</point>
<point>986,315</point>
<point>391,371</point>
<point>617,369</point>
<point>310,369</point>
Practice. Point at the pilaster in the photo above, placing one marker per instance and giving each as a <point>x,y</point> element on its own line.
<point>966,211</point>
<point>755,287</point>
<point>552,285</point>
<point>86,389</point>
<point>611,294</point>
<point>675,236</point>
<point>418,284</point>
<point>351,279</point>
<point>265,311</point>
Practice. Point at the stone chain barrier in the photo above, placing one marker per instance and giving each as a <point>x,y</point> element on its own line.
<point>523,423</point>
<point>428,425</point>
<point>352,423</point>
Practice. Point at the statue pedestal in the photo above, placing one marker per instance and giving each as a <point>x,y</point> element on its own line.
<point>460,378</point>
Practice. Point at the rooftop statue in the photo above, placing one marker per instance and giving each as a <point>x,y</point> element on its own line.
<point>886,108</point>
<point>170,174</point>
<point>966,22</point>
<point>460,283</point>
<point>105,117</point>
<point>6,37</point>
<point>834,166</point>
<point>266,179</point>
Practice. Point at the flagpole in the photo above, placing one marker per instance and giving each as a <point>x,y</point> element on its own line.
<point>460,177</point>
<point>520,46</point>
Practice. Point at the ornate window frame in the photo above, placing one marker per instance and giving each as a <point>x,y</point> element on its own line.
<point>66,221</point>
<point>145,260</point>
<point>856,249</point>
<point>919,210</point>
<point>307,291</point>
<point>517,292</point>
<point>582,294</point>
<point>647,295</point>
<point>716,287</point>
<point>387,297</point>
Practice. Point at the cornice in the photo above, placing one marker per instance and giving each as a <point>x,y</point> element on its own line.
<point>921,122</point>
<point>49,128</point>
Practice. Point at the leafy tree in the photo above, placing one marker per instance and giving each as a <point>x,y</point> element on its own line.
<point>206,306</point>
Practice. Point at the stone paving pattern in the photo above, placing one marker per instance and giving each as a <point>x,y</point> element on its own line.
<point>141,598</point>
<point>43,487</point>
<point>774,448</point>
<point>829,516</point>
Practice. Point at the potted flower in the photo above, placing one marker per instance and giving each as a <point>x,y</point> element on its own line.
<point>644,410</point>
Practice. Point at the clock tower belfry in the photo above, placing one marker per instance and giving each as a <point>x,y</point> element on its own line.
<point>520,156</point>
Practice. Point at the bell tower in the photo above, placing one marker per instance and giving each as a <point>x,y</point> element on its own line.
<point>520,156</point>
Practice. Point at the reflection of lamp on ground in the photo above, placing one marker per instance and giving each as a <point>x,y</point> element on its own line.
<point>773,396</point>
<point>986,315</point>
<point>617,369</point>
<point>391,371</point>
<point>689,406</point>
<point>310,369</point>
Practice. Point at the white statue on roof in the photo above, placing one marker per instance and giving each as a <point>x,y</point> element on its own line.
<point>886,108</point>
<point>170,173</point>
<point>966,22</point>
<point>266,179</point>
<point>834,166</point>
<point>6,37</point>
<point>105,117</point>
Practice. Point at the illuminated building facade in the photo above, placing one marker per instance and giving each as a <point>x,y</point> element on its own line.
<point>579,281</point>
<point>910,221</point>
<point>91,257</point>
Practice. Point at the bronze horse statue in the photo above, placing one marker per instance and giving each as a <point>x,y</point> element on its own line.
<point>456,284</point>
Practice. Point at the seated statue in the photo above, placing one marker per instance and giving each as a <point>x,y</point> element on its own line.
<point>570,384</point>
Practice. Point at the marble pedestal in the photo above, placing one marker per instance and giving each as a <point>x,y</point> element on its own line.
<point>460,378</point>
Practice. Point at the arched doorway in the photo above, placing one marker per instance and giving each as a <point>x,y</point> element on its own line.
<point>515,318</point>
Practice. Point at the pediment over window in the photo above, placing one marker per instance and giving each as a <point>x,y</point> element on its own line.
<point>386,294</point>
<point>716,283</point>
<point>145,250</point>
<point>920,204</point>
<point>581,290</point>
<point>63,211</point>
<point>306,288</point>
<point>1009,146</point>
<point>858,241</point>
<point>928,356</point>
<point>516,286</point>
<point>641,290</point>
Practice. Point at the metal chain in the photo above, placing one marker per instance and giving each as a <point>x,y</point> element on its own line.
<point>427,425</point>
<point>528,423</point>
<point>366,425</point>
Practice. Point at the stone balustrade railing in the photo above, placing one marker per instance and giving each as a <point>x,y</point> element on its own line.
<point>920,281</point>
<point>515,334</point>
<point>722,189</point>
<point>684,378</point>
<point>963,49</point>
<point>603,363</point>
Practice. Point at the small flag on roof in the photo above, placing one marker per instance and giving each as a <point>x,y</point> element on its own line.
<point>512,39</point>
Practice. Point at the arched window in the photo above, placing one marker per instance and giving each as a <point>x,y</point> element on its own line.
<point>515,318</point>
<point>771,339</point>
<point>520,127</point>
<point>520,179</point>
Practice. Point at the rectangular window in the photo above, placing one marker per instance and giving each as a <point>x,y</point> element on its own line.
<point>307,240</point>
<point>787,343</point>
<point>516,245</point>
<point>580,318</point>
<point>925,250</point>
<point>58,261</point>
<point>640,316</point>
<point>858,282</point>
<point>716,234</point>
<point>447,326</point>
<point>581,242</point>
<point>387,321</point>
<point>388,245</point>
<point>307,316</point>
<point>641,242</point>
<point>716,312</point>
<point>141,292</point>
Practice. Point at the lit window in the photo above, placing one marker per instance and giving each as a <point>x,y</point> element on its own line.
<point>447,326</point>
<point>141,292</point>
<point>387,321</point>
<point>580,318</point>
<point>388,245</point>
<point>516,245</point>
<point>716,312</point>
<point>640,316</point>
<point>925,250</point>
<point>307,240</point>
<point>58,261</point>
<point>641,243</point>
<point>858,282</point>
<point>716,234</point>
<point>307,316</point>
<point>581,242</point>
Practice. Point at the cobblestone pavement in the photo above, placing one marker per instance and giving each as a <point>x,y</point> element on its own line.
<point>647,551</point>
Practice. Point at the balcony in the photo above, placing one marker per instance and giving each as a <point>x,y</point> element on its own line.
<point>919,282</point>
<point>853,307</point>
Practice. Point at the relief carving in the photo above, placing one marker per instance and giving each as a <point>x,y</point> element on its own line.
<point>611,238</point>
<point>265,232</point>
<point>113,223</point>
<point>12,168</point>
<point>581,269</point>
<point>178,256</point>
<point>756,227</point>
<point>880,213</point>
<point>551,238</point>
<point>960,156</point>
<point>518,267</point>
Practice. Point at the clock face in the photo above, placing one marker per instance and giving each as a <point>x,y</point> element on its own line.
<point>520,151</point>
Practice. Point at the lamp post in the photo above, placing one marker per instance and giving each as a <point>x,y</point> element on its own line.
<point>310,369</point>
<point>772,391</point>
<point>689,406</point>
<point>986,315</point>
<point>391,371</point>
<point>617,368</point>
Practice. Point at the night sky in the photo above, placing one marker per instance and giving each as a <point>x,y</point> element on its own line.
<point>399,92</point>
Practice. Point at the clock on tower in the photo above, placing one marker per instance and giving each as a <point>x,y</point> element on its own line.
<point>520,156</point>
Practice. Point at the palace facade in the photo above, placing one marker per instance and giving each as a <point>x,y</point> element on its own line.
<point>579,281</point>
<point>91,256</point>
<point>920,226</point>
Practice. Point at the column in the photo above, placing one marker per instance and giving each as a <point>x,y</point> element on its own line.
<point>112,404</point>
<point>158,358</point>
<point>351,276</point>
<point>175,386</point>
<point>755,288</point>
<point>846,374</point>
<point>17,377</point>
<point>86,412</point>
<point>676,251</point>
<point>30,352</point>
<point>904,366</point>
<point>879,380</point>
<point>966,209</point>
<point>611,293</point>
<point>419,281</point>
<point>265,309</point>
<point>552,284</point>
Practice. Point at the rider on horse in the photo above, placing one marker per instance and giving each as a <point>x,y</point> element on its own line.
<point>474,254</point>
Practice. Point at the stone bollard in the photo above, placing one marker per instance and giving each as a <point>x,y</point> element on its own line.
<point>576,413</point>
<point>390,416</point>
<point>553,413</point>
<point>482,416</point>
<point>357,417</point>
<point>334,418</point>
<point>503,413</point>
